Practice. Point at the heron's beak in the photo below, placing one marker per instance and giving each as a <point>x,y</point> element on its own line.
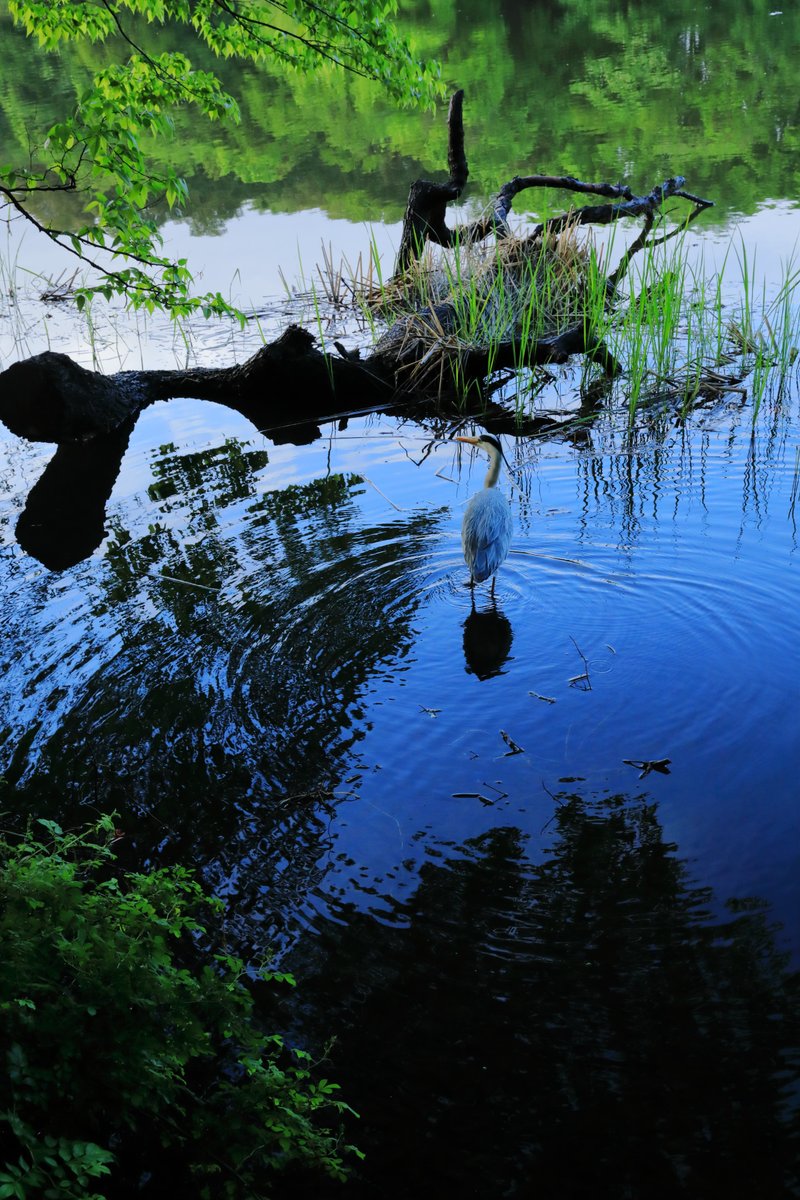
<point>473,441</point>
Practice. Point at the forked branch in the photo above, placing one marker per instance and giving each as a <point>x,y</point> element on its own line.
<point>425,217</point>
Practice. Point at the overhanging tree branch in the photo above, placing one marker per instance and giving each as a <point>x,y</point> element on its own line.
<point>97,148</point>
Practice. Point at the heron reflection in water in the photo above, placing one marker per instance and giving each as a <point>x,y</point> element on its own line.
<point>487,527</point>
<point>487,642</point>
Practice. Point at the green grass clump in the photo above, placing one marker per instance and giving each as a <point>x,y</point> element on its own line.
<point>508,289</point>
<point>127,1049</point>
<point>685,336</point>
<point>678,336</point>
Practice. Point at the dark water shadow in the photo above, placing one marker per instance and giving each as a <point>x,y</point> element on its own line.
<point>487,641</point>
<point>63,520</point>
<point>580,1028</point>
<point>217,720</point>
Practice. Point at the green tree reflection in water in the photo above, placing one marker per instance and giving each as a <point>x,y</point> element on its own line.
<point>585,1027</point>
<point>570,87</point>
<point>212,685</point>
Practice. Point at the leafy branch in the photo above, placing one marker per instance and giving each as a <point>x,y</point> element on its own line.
<point>127,970</point>
<point>97,151</point>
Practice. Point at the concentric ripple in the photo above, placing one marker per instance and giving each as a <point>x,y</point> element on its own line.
<point>267,650</point>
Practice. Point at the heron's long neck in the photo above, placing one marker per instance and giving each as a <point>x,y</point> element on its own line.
<point>493,473</point>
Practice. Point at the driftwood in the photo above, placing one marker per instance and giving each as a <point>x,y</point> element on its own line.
<point>40,397</point>
<point>51,398</point>
<point>291,385</point>
<point>427,202</point>
<point>425,212</point>
<point>425,221</point>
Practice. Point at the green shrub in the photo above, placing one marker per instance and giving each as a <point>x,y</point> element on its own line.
<point>127,1047</point>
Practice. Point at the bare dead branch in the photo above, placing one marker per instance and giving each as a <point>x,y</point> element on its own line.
<point>456,156</point>
<point>427,202</point>
<point>425,217</point>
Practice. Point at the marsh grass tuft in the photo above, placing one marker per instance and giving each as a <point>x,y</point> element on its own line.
<point>512,288</point>
<point>509,295</point>
<point>684,336</point>
<point>687,336</point>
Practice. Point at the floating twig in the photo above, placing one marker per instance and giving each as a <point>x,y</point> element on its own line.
<point>646,765</point>
<point>205,587</point>
<point>473,796</point>
<point>513,748</point>
<point>60,289</point>
<point>557,800</point>
<point>396,507</point>
<point>583,681</point>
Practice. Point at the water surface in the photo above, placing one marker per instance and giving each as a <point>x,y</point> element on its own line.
<point>436,806</point>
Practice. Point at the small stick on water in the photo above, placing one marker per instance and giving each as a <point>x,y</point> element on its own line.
<point>558,801</point>
<point>582,681</point>
<point>389,815</point>
<point>427,449</point>
<point>646,765</point>
<point>539,696</point>
<point>513,748</point>
<point>396,507</point>
<point>186,582</point>
<point>446,478</point>
<point>473,796</point>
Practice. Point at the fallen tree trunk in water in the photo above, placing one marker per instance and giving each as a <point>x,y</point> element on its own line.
<point>51,398</point>
<point>423,362</point>
<point>64,516</point>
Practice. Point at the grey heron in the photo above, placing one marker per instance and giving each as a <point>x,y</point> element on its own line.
<point>487,527</point>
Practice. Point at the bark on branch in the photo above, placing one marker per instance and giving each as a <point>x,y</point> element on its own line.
<point>427,202</point>
<point>421,224</point>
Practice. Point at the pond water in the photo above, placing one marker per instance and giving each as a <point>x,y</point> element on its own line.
<point>532,855</point>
